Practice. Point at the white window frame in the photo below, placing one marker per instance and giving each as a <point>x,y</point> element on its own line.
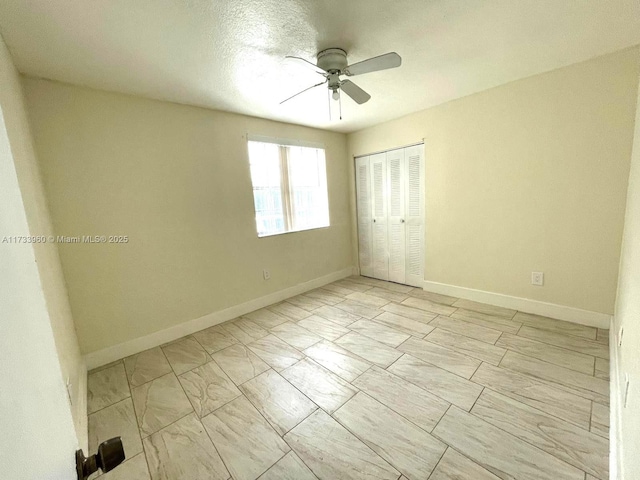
<point>288,209</point>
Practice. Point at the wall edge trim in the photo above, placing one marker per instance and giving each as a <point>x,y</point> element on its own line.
<point>553,310</point>
<point>139,344</point>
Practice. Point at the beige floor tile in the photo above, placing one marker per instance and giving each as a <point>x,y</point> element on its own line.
<point>105,366</point>
<point>289,467</point>
<point>266,317</point>
<point>131,469</point>
<point>428,306</point>
<point>305,303</point>
<point>410,312</point>
<point>351,285</point>
<point>468,346</point>
<point>323,296</point>
<point>245,330</point>
<point>455,466</point>
<point>388,295</point>
<point>118,420</point>
<point>404,324</point>
<point>296,336</point>
<point>159,403</point>
<point>275,352</point>
<point>333,453</point>
<point>380,332</point>
<point>183,451</point>
<point>485,320</point>
<point>369,349</point>
<point>342,362</point>
<point>278,401</point>
<point>145,366</point>
<point>600,420</point>
<point>208,388</point>
<point>433,297</point>
<point>215,338</point>
<point>576,344</point>
<point>442,357</point>
<point>565,441</point>
<point>467,329</point>
<point>408,448</point>
<point>290,311</point>
<point>549,353</point>
<point>584,385</point>
<point>499,452</point>
<point>106,387</point>
<point>336,289</point>
<point>535,393</point>
<point>323,327</point>
<point>357,308</point>
<point>374,282</point>
<point>336,315</point>
<point>368,300</point>
<point>323,387</point>
<point>603,336</point>
<point>556,326</point>
<point>410,401</point>
<point>239,363</point>
<point>602,369</point>
<point>185,355</point>
<point>244,439</point>
<point>449,387</point>
<point>484,308</point>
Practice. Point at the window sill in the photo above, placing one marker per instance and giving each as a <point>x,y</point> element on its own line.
<point>266,235</point>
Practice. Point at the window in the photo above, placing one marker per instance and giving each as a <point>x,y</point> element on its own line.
<point>289,187</point>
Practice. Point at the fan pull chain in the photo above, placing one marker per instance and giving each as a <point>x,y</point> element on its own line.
<point>340,102</point>
<point>329,98</point>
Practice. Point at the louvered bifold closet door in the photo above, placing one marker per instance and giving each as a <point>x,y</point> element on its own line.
<point>414,215</point>
<point>365,218</point>
<point>396,206</point>
<point>379,196</point>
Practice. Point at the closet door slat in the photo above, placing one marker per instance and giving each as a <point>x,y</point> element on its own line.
<point>365,218</point>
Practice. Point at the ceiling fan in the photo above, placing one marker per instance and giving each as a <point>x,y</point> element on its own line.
<point>332,63</point>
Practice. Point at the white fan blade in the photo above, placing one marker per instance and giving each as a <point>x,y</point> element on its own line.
<point>355,92</point>
<point>308,64</point>
<point>388,60</point>
<point>312,86</point>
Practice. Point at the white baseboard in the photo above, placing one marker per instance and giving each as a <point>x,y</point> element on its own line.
<point>615,415</point>
<point>561,312</point>
<point>130,347</point>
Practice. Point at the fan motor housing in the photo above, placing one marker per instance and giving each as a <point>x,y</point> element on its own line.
<point>332,60</point>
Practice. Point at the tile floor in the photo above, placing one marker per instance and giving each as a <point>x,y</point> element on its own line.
<point>363,379</point>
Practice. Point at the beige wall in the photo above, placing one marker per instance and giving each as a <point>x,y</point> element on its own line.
<point>35,308</point>
<point>175,179</point>
<point>529,176</point>
<point>627,358</point>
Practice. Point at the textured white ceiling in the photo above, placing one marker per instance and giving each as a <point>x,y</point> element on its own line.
<point>229,54</point>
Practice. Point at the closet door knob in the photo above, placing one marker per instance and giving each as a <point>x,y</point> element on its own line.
<point>374,220</point>
<point>402,220</point>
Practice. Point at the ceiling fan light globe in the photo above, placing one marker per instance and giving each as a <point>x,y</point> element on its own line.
<point>335,95</point>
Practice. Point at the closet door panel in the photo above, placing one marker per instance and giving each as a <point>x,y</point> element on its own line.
<point>414,215</point>
<point>396,210</point>
<point>365,217</point>
<point>379,191</point>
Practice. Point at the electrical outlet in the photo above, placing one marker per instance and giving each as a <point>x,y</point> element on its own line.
<point>537,278</point>
<point>266,274</point>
